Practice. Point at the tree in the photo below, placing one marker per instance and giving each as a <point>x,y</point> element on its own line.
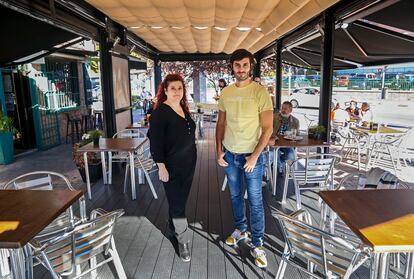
<point>213,70</point>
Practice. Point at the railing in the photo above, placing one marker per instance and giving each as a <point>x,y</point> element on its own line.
<point>55,100</point>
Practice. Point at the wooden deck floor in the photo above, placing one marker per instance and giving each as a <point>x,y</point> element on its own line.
<point>147,253</point>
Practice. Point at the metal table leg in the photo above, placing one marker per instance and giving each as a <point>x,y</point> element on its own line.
<point>275,151</point>
<point>88,182</point>
<point>104,173</point>
<point>132,171</point>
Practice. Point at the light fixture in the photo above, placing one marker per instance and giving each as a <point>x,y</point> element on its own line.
<point>220,28</point>
<point>201,27</point>
<point>177,27</point>
<point>135,27</point>
<point>116,42</point>
<point>259,29</point>
<point>157,27</point>
<point>132,49</point>
<point>243,29</point>
<point>344,25</point>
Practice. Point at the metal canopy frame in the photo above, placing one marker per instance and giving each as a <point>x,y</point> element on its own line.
<point>82,18</point>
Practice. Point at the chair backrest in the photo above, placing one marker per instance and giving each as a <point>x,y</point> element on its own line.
<point>129,133</point>
<point>327,251</point>
<point>38,180</point>
<point>376,178</point>
<point>82,243</point>
<point>316,168</point>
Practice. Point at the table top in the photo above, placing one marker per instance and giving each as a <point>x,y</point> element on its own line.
<point>116,144</point>
<point>25,213</point>
<point>305,142</point>
<point>382,130</point>
<point>382,219</point>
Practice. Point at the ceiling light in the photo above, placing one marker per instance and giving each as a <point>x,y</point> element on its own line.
<point>220,28</point>
<point>157,27</point>
<point>406,33</point>
<point>259,29</point>
<point>116,42</point>
<point>177,27</point>
<point>201,27</point>
<point>344,25</point>
<point>135,27</point>
<point>243,29</point>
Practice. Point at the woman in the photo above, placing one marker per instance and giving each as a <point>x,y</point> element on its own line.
<point>172,138</point>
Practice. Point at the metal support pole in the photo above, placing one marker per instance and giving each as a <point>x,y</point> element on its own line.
<point>107,84</point>
<point>278,74</point>
<point>157,74</point>
<point>328,28</point>
<point>256,70</point>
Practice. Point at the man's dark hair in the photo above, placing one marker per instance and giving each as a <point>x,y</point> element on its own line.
<point>288,104</point>
<point>240,54</point>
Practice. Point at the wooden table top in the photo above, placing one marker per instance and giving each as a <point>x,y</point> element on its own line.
<point>305,142</point>
<point>382,130</point>
<point>382,219</point>
<point>25,213</point>
<point>117,144</point>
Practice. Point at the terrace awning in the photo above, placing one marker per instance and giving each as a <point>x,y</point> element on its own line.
<point>383,37</point>
<point>211,26</point>
<point>24,35</point>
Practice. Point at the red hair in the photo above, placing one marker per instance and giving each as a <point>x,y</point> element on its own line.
<point>162,97</point>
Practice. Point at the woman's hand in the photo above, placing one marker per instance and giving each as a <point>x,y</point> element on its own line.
<point>163,172</point>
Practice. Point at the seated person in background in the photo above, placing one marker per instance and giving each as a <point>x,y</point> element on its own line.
<point>353,110</point>
<point>339,116</point>
<point>282,122</point>
<point>366,115</point>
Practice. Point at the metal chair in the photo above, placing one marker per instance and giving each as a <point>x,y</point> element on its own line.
<point>353,143</point>
<point>330,255</point>
<point>144,163</point>
<point>311,169</point>
<point>122,156</point>
<point>42,180</point>
<point>63,255</point>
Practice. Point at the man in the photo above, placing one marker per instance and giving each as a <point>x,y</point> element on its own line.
<point>244,128</point>
<point>282,122</point>
<point>366,115</point>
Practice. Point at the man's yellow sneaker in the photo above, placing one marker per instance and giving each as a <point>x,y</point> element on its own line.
<point>235,237</point>
<point>259,256</point>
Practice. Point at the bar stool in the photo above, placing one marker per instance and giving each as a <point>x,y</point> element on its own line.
<point>88,121</point>
<point>75,124</point>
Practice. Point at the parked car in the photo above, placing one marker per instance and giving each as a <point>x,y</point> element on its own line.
<point>304,97</point>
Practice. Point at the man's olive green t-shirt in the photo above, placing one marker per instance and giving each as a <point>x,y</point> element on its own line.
<point>243,106</point>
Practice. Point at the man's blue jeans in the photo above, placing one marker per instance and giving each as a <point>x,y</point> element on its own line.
<point>284,154</point>
<point>239,180</point>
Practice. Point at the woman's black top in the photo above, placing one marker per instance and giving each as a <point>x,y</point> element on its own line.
<point>172,137</point>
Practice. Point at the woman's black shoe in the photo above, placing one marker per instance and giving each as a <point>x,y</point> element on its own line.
<point>184,251</point>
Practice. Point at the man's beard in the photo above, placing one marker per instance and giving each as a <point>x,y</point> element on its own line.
<point>241,77</point>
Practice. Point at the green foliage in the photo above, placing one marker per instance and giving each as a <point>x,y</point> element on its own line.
<point>95,134</point>
<point>6,124</point>
<point>317,130</point>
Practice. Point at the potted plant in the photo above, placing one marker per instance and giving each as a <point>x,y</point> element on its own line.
<point>93,135</point>
<point>316,132</point>
<point>94,163</point>
<point>6,139</point>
